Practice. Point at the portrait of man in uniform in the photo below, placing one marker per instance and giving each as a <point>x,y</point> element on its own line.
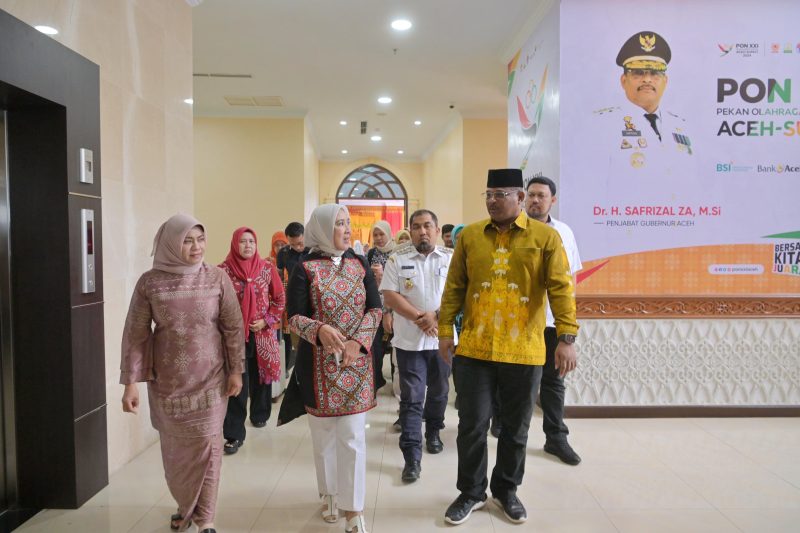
<point>650,136</point>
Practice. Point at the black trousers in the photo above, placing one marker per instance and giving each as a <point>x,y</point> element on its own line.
<point>517,387</point>
<point>551,392</point>
<point>260,398</point>
<point>424,384</point>
<point>378,351</point>
<point>290,351</point>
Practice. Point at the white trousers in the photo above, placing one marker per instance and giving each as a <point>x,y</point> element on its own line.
<point>340,457</point>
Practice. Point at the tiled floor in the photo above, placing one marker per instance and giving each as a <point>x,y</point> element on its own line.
<point>637,476</point>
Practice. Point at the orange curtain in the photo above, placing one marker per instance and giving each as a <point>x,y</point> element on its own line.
<point>362,217</point>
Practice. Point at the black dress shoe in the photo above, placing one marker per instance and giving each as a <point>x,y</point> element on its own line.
<point>411,471</point>
<point>512,507</point>
<point>259,424</point>
<point>433,443</point>
<point>208,530</point>
<point>562,450</point>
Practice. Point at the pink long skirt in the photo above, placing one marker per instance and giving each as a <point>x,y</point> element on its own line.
<point>191,467</point>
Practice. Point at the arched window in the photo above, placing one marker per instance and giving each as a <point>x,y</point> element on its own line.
<point>372,193</point>
<point>371,181</point>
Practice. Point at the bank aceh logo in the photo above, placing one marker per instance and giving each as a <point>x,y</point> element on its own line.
<point>726,49</point>
<point>777,168</point>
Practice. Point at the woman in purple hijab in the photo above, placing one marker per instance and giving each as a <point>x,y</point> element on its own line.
<point>192,361</point>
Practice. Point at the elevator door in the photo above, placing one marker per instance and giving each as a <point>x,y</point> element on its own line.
<point>6,373</point>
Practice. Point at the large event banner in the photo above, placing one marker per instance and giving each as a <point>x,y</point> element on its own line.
<point>684,181</point>
<point>533,122</point>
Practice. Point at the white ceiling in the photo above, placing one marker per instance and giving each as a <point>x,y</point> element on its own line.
<point>329,60</point>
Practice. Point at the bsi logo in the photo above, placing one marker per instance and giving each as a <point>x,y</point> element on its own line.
<point>730,166</point>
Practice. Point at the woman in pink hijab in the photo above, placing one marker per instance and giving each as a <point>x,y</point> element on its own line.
<point>192,361</point>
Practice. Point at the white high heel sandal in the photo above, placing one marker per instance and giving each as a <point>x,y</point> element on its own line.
<point>331,512</point>
<point>356,525</point>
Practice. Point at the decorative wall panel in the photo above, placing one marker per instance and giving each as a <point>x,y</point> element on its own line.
<point>644,362</point>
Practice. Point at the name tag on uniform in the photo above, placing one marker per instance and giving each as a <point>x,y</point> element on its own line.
<point>407,267</point>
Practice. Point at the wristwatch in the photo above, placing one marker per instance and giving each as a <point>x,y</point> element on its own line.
<point>566,338</point>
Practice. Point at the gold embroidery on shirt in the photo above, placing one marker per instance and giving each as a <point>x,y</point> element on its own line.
<point>502,315</point>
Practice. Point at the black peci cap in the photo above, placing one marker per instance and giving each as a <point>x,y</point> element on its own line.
<point>504,177</point>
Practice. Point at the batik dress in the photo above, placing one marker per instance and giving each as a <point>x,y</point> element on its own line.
<point>344,296</point>
<point>186,359</point>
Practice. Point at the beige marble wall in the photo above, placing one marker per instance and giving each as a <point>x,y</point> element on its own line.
<point>144,49</point>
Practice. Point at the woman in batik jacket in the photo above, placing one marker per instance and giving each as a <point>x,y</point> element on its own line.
<point>335,308</point>
<point>192,362</point>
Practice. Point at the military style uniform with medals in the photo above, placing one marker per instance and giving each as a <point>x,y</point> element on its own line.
<point>635,143</point>
<point>639,142</point>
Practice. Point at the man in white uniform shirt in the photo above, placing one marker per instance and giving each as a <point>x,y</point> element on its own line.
<point>540,197</point>
<point>413,281</point>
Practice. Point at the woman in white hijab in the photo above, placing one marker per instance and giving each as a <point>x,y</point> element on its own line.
<point>335,308</point>
<point>382,246</point>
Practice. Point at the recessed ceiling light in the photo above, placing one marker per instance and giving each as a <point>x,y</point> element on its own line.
<point>417,122</point>
<point>375,138</point>
<point>384,100</point>
<point>188,101</point>
<point>47,30</point>
<point>401,24</point>
<point>343,123</point>
<point>401,152</point>
<point>344,151</point>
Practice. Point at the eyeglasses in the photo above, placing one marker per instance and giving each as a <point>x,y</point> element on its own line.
<point>497,195</point>
<point>639,73</point>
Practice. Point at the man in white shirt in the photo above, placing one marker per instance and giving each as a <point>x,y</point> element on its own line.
<point>413,281</point>
<point>540,197</point>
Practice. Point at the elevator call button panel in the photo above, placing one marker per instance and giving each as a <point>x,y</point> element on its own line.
<point>87,251</point>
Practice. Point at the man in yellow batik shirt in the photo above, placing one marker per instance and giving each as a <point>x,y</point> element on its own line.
<point>501,272</point>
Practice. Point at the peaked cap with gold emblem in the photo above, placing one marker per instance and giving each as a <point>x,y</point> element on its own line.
<point>645,50</point>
